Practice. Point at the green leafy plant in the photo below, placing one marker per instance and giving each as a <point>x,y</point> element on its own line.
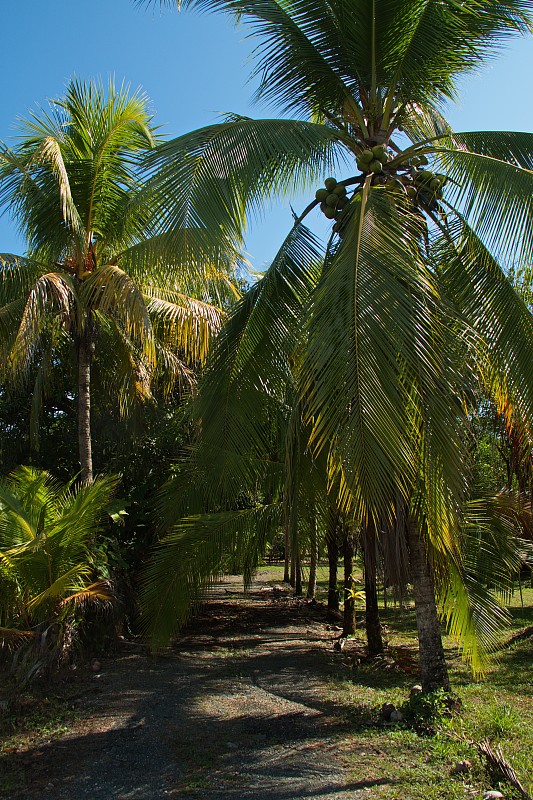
<point>49,565</point>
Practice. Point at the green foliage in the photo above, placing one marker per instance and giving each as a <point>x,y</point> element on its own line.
<point>50,563</point>
<point>410,322</point>
<point>104,264</point>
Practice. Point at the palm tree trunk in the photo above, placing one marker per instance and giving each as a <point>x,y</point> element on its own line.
<point>85,352</point>
<point>433,669</point>
<point>287,564</point>
<point>298,588</point>
<point>311,584</point>
<point>372,621</point>
<point>348,626</point>
<point>333,557</point>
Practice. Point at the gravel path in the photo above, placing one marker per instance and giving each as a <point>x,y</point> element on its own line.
<point>238,710</point>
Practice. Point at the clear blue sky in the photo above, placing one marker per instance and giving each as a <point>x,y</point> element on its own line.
<point>193,67</point>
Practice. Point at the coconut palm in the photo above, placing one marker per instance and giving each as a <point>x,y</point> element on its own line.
<point>50,565</point>
<point>103,263</point>
<point>412,296</point>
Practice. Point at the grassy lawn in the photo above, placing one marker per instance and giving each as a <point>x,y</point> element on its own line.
<point>498,708</point>
<point>418,766</point>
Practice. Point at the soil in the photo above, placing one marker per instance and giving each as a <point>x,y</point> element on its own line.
<point>240,708</point>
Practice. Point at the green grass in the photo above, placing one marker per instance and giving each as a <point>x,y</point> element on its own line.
<point>413,766</point>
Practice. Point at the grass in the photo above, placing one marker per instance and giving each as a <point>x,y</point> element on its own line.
<point>419,767</point>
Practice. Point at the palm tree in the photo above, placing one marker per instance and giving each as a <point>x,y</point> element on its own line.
<point>50,565</point>
<point>411,296</point>
<point>103,261</point>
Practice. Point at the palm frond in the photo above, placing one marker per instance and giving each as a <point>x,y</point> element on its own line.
<point>191,557</point>
<point>374,357</point>
<point>110,290</point>
<point>494,196</point>
<point>250,368</point>
<point>212,176</point>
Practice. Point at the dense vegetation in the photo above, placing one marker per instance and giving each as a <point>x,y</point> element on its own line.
<point>369,398</point>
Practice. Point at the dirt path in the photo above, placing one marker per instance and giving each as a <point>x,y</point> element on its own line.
<point>238,710</point>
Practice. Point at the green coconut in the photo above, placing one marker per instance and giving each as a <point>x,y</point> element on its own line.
<point>340,189</point>
<point>424,176</point>
<point>343,202</point>
<point>379,150</point>
<point>332,200</point>
<point>330,212</point>
<point>434,184</point>
<point>375,166</point>
<point>330,184</point>
<point>321,194</point>
<point>367,156</point>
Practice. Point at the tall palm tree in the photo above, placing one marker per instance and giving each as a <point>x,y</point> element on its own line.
<point>412,295</point>
<point>103,260</point>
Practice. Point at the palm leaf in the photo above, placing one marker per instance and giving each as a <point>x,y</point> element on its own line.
<point>192,557</point>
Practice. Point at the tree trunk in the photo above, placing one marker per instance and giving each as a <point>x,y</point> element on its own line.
<point>348,626</point>
<point>333,558</point>
<point>85,352</point>
<point>292,575</point>
<point>311,584</point>
<point>433,670</point>
<point>372,622</point>
<point>298,588</point>
<point>287,566</point>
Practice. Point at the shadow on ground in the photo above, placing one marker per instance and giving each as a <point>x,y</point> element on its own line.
<point>239,709</point>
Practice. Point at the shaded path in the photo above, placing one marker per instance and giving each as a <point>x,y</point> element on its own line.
<point>238,709</point>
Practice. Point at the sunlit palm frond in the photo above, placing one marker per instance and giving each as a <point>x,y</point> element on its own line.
<point>112,291</point>
<point>53,293</point>
<point>183,323</point>
<point>374,357</point>
<point>193,261</point>
<point>480,290</point>
<point>212,176</point>
<point>494,196</point>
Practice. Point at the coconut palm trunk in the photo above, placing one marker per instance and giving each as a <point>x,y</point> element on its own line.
<point>311,584</point>
<point>333,558</point>
<point>348,548</point>
<point>372,622</point>
<point>85,353</point>
<point>287,563</point>
<point>433,669</point>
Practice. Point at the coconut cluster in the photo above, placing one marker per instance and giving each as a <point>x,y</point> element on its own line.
<point>409,177</point>
<point>372,160</point>
<point>427,186</point>
<point>333,198</point>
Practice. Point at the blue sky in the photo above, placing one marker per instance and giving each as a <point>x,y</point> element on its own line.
<point>194,67</point>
